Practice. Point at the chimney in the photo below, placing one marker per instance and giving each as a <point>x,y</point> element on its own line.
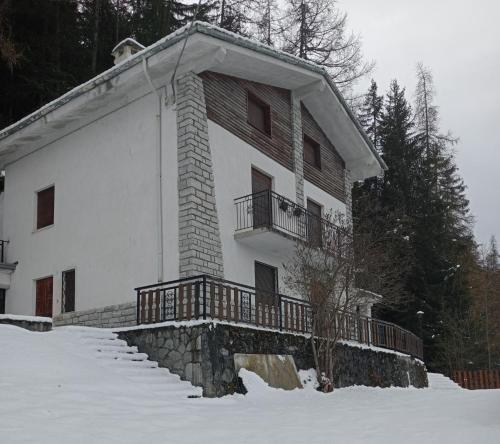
<point>125,49</point>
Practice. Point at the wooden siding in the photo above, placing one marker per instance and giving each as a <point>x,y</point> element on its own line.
<point>331,176</point>
<point>226,101</point>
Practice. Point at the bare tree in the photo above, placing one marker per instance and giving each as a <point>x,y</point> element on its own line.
<point>316,30</point>
<point>326,270</point>
<point>266,21</point>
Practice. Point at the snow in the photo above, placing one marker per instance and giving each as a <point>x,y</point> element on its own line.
<point>14,317</point>
<point>53,389</point>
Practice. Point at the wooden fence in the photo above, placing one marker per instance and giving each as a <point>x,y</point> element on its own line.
<point>477,379</point>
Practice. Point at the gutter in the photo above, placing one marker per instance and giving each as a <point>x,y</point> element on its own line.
<point>159,170</point>
<point>172,39</point>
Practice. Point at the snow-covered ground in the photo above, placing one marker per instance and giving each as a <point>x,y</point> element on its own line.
<point>56,388</point>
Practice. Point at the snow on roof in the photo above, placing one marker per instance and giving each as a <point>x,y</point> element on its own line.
<point>170,40</point>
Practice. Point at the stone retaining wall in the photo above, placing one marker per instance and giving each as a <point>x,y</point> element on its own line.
<point>204,354</point>
<point>111,316</point>
<point>33,324</point>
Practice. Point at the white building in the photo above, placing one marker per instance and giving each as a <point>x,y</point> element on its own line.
<point>134,178</point>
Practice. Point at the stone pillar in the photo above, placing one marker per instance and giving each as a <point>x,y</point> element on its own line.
<point>200,249</point>
<point>298,149</point>
<point>348,196</point>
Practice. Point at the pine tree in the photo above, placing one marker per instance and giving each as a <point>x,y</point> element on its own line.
<point>371,114</point>
<point>8,50</point>
<point>50,57</point>
<point>154,19</point>
<point>380,204</point>
<point>443,239</point>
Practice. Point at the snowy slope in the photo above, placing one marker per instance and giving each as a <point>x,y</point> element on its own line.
<point>56,388</point>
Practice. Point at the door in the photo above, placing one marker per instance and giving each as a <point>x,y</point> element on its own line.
<point>261,200</point>
<point>44,297</point>
<point>266,284</point>
<point>314,228</point>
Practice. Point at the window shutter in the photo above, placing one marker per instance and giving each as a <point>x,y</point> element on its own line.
<point>45,208</point>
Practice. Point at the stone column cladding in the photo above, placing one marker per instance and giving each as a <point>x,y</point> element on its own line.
<point>111,316</point>
<point>348,196</point>
<point>298,149</point>
<point>200,249</point>
<point>204,355</point>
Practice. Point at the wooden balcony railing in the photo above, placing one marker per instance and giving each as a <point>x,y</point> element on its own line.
<point>268,209</point>
<point>207,297</point>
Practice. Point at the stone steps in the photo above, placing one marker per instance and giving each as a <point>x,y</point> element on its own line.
<point>440,382</point>
<point>116,355</point>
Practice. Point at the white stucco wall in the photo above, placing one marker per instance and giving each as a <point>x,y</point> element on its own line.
<point>233,160</point>
<point>105,210</point>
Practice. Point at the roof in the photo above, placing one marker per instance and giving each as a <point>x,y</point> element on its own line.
<point>169,42</point>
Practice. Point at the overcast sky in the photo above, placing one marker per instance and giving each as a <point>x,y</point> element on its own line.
<point>460,41</point>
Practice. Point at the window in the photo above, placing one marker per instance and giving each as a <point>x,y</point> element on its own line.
<point>312,152</point>
<point>68,291</point>
<point>45,208</point>
<point>259,114</point>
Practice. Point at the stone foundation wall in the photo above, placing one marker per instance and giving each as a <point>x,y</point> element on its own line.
<point>111,316</point>
<point>29,324</point>
<point>204,355</point>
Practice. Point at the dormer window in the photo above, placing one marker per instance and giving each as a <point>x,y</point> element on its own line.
<point>312,152</point>
<point>258,113</point>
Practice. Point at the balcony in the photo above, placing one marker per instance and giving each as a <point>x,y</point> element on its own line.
<point>271,221</point>
<point>206,297</point>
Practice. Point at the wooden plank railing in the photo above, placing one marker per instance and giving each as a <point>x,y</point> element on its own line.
<point>477,379</point>
<point>207,297</point>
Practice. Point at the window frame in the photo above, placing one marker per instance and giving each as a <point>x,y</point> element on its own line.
<point>36,215</point>
<point>317,151</point>
<point>268,124</point>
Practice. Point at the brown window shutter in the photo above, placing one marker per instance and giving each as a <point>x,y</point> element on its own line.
<point>45,208</point>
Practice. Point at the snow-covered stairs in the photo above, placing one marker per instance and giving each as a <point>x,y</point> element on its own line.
<point>440,382</point>
<point>126,361</point>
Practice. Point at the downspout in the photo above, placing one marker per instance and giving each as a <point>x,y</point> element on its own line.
<point>159,171</point>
